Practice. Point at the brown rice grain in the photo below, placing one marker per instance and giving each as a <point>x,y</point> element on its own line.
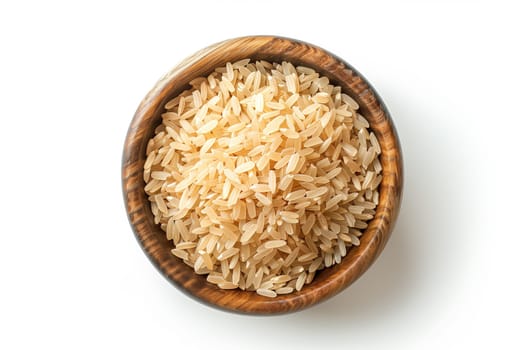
<point>261,174</point>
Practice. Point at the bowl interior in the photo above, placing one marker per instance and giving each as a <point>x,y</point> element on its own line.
<point>148,116</point>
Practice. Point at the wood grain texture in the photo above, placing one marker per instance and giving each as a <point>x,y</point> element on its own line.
<point>153,240</point>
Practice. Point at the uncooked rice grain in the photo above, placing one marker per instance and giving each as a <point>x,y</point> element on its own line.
<point>262,174</point>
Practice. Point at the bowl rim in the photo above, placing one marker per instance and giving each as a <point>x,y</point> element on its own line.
<point>339,276</point>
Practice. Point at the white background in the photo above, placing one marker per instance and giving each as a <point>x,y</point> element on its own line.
<point>72,275</point>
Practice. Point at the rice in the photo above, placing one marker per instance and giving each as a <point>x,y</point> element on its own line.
<point>262,174</point>
<point>266,293</point>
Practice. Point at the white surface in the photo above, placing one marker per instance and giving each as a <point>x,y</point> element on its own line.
<point>71,77</point>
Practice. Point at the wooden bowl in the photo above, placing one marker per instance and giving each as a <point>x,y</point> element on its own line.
<point>273,49</point>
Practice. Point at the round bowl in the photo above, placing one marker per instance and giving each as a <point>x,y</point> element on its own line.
<point>327,282</point>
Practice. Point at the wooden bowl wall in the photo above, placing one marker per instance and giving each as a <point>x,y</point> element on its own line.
<point>273,49</point>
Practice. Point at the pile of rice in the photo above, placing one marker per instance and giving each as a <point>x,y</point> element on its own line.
<point>261,174</point>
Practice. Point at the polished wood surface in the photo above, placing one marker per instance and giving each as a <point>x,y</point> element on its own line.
<point>153,240</point>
